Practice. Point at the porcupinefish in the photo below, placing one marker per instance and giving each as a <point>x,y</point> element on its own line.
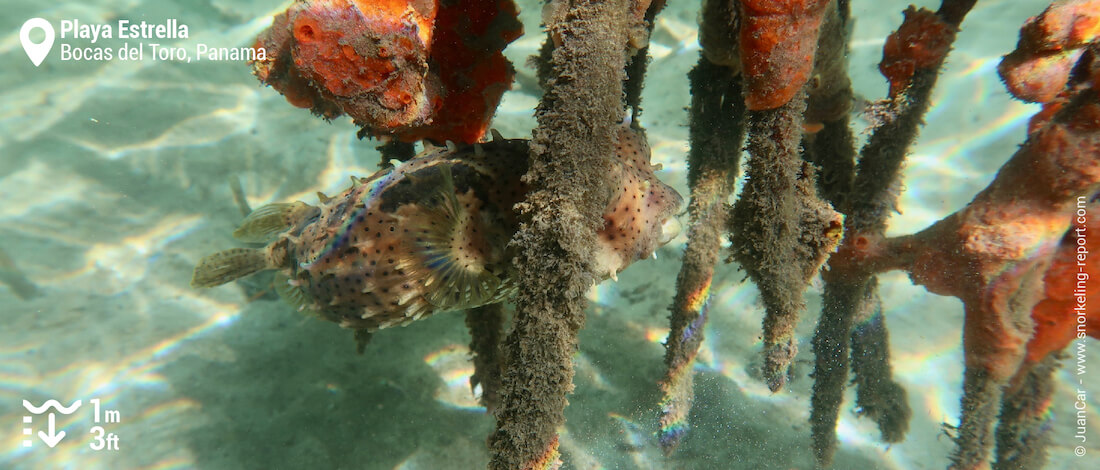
<point>430,234</point>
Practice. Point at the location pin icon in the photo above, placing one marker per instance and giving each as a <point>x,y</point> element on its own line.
<point>37,52</point>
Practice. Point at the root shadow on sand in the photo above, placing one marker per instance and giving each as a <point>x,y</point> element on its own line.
<point>732,430</point>
<point>298,396</point>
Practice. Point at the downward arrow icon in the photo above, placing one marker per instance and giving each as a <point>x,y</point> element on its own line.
<point>51,439</point>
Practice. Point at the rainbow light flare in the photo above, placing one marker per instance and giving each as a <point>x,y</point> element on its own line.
<point>549,460</point>
<point>108,381</point>
<point>453,365</point>
<point>678,385</point>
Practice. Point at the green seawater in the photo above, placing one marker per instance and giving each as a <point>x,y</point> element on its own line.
<point>114,182</point>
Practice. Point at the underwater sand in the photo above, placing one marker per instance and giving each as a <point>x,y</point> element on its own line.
<point>113,183</point>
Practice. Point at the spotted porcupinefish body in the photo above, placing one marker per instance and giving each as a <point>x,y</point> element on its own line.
<point>430,235</point>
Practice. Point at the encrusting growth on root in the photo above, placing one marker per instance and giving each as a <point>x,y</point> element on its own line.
<point>639,62</point>
<point>401,69</point>
<point>717,130</point>
<point>912,58</point>
<point>411,70</point>
<point>1024,425</point>
<point>486,325</point>
<point>1023,430</point>
<point>832,149</point>
<point>570,155</point>
<point>878,396</point>
<point>781,232</point>
<point>395,150</point>
<point>778,41</point>
<point>993,254</point>
<point>828,142</point>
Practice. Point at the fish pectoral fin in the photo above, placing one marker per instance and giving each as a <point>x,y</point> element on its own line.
<point>293,294</point>
<point>265,223</point>
<point>458,274</point>
<point>452,259</point>
<point>224,266</point>
<point>450,206</point>
<point>460,288</point>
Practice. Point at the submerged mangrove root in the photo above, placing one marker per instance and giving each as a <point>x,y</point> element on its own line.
<point>395,150</point>
<point>1060,163</point>
<point>1023,430</point>
<point>994,253</point>
<point>571,153</point>
<point>778,41</point>
<point>878,396</point>
<point>486,325</point>
<point>846,302</point>
<point>830,344</point>
<point>717,129</point>
<point>781,231</point>
<point>639,62</point>
<point>402,69</point>
<point>981,393</point>
<point>912,58</point>
<point>828,142</point>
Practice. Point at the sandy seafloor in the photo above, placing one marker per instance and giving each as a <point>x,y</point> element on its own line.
<point>113,183</point>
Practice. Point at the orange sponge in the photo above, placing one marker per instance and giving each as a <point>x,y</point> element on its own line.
<point>405,69</point>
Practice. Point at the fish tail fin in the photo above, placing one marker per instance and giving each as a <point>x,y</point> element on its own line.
<point>224,266</point>
<point>262,224</point>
